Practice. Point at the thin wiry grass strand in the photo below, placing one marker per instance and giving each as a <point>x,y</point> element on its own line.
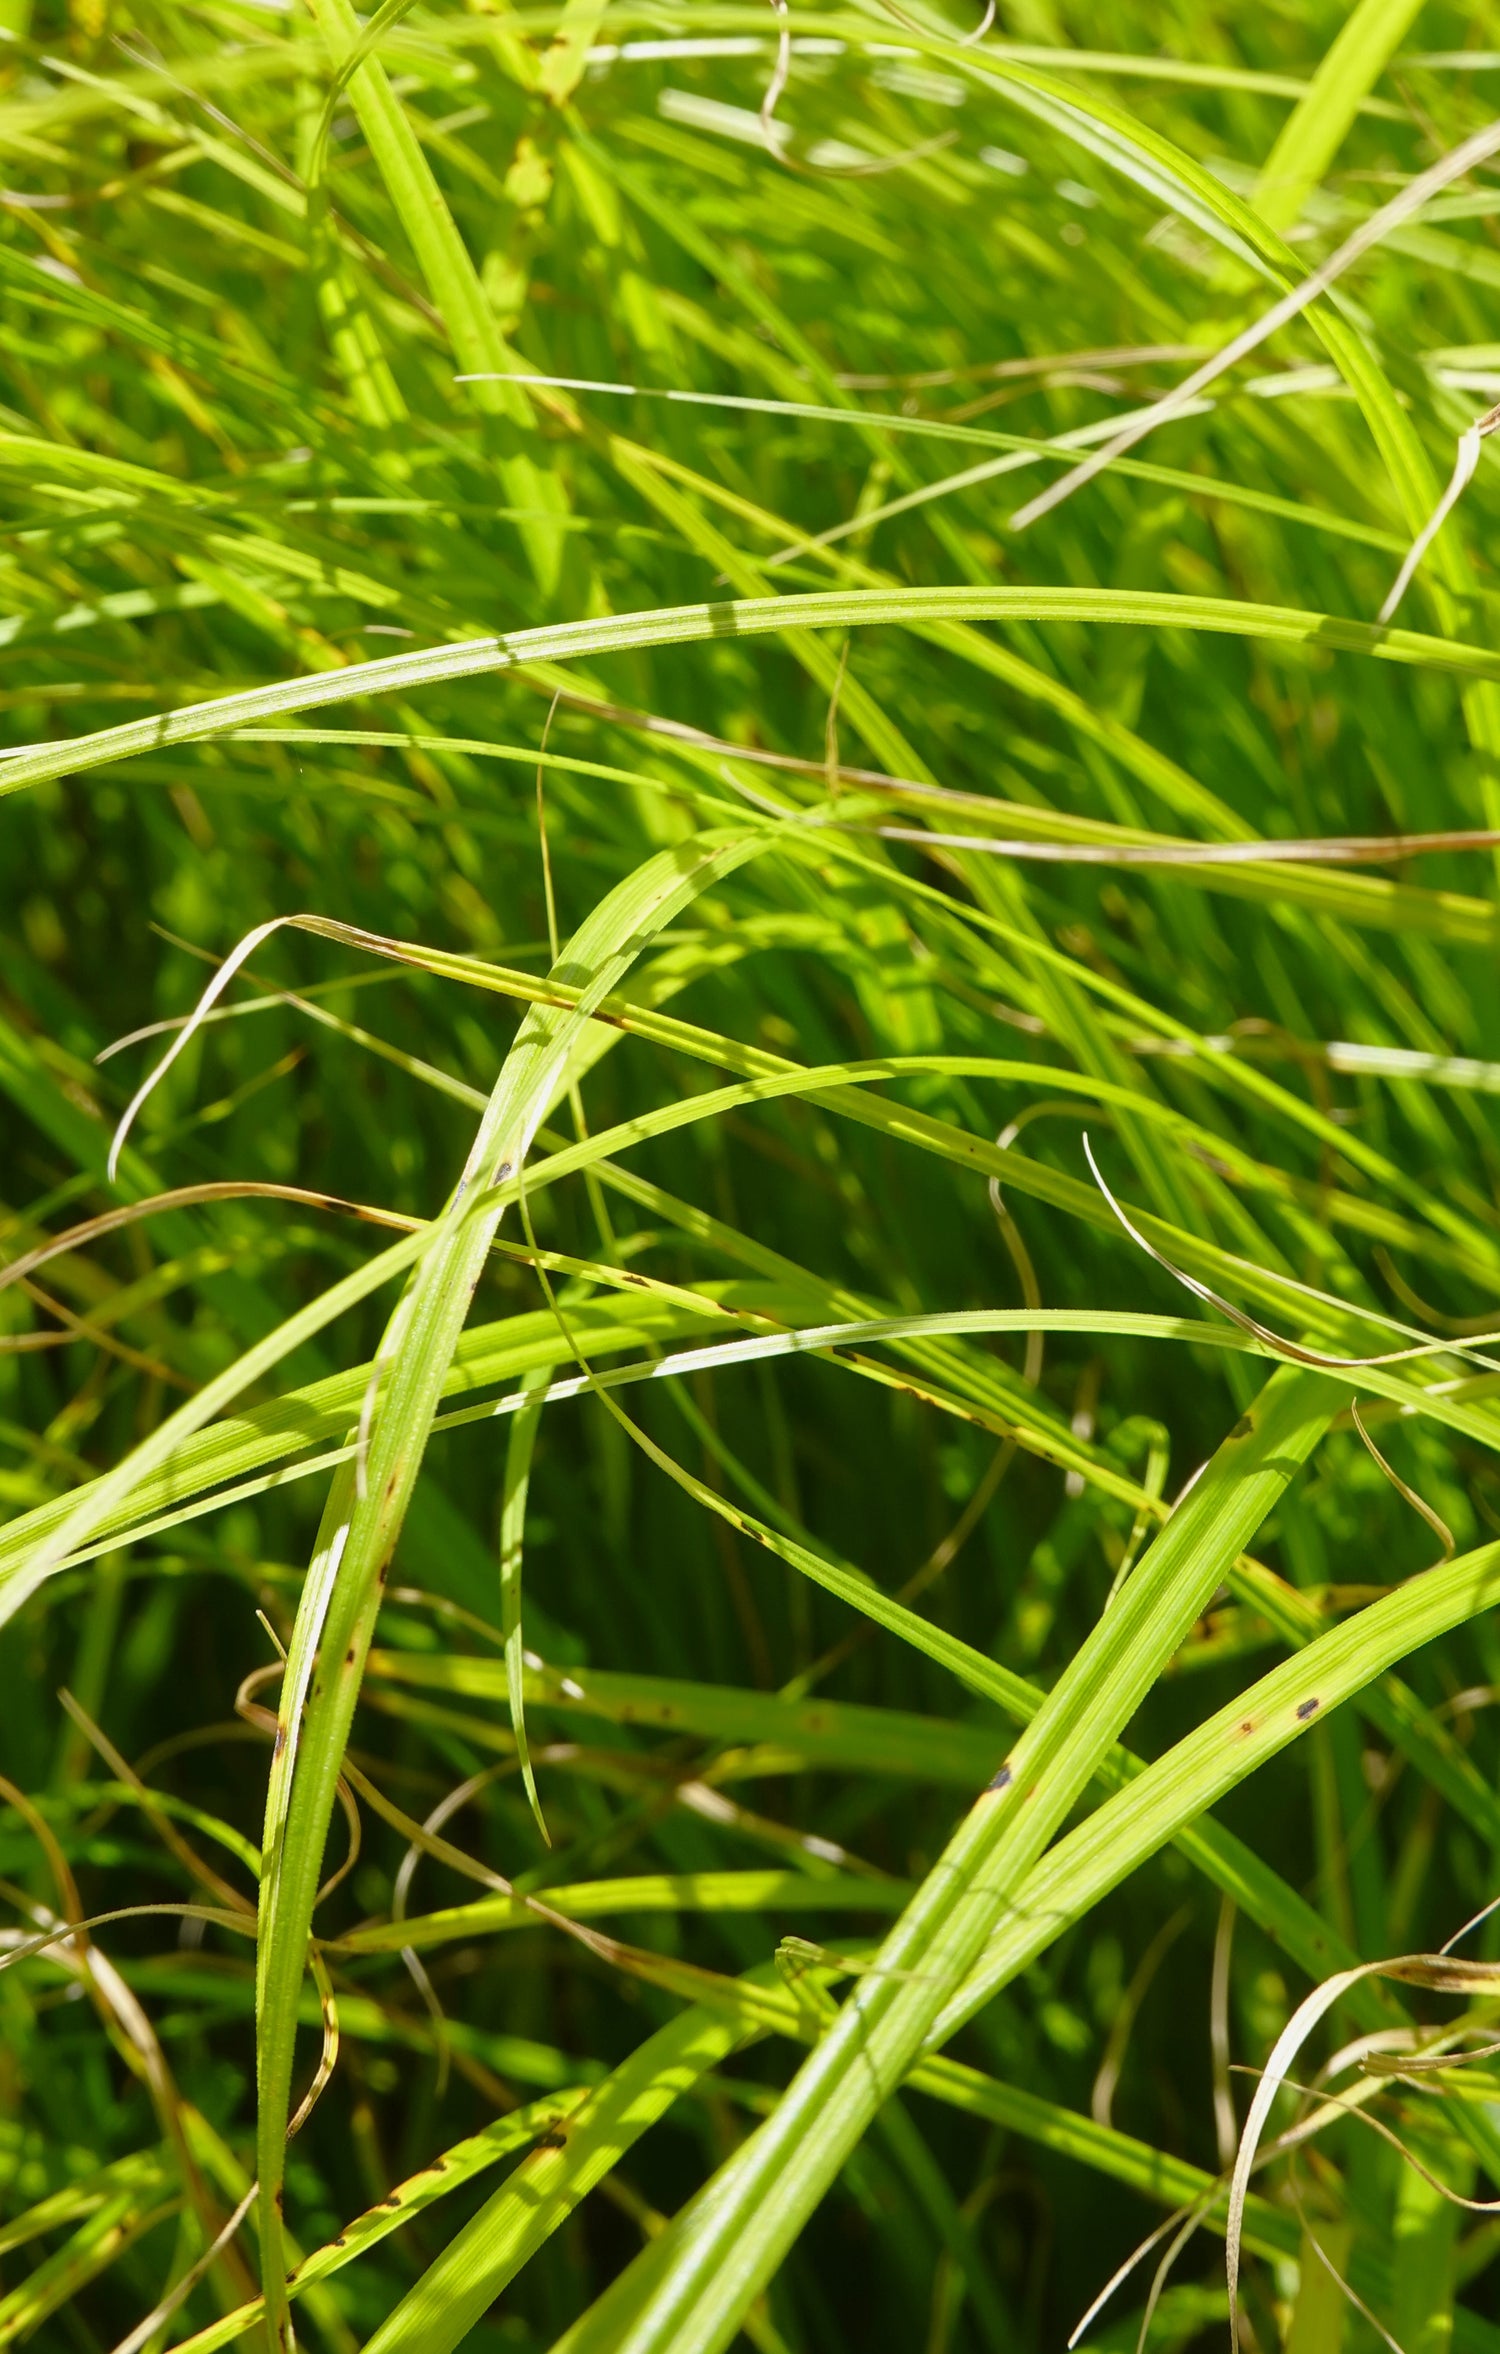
<point>1465,466</point>
<point>1166,842</point>
<point>177,2296</point>
<point>1456,165</point>
<point>1293,1351</point>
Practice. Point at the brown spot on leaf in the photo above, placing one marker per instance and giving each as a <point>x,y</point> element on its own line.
<point>1306,1708</point>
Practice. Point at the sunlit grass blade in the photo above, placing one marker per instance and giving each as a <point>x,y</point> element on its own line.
<point>406,427</point>
<point>448,2172</point>
<point>1278,625</point>
<point>742,2227</point>
<point>548,2185</point>
<point>1313,133</point>
<point>367,1503</point>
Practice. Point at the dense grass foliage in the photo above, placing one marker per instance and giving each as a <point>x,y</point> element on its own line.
<point>760,1504</point>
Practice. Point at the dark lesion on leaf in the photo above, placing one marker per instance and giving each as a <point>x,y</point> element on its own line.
<point>1307,1708</point>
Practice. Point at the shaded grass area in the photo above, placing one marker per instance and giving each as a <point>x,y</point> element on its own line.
<point>617,1391</point>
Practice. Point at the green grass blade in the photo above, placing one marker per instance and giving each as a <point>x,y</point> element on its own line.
<point>368,1502</point>
<point>453,284</point>
<point>1285,626</point>
<point>547,2186</point>
<point>518,1452</point>
<point>721,2259</point>
<point>1316,129</point>
<point>449,2172</point>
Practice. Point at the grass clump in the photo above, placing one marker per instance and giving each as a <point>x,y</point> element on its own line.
<point>737,1127</point>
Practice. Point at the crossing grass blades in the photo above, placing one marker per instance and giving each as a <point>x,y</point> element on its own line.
<point>750,1297</point>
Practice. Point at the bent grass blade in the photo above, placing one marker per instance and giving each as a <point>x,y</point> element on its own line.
<point>366,1507</point>
<point>713,2262</point>
<point>1275,625</point>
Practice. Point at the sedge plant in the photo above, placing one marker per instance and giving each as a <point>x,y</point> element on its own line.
<point>750,1302</point>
